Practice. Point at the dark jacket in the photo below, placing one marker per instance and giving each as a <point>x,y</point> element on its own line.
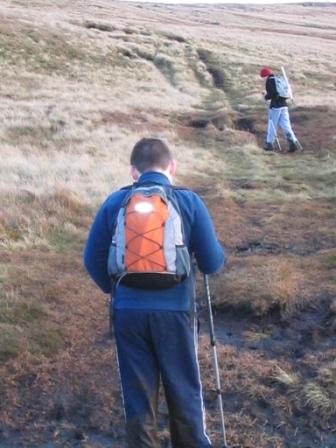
<point>271,94</point>
<point>200,237</point>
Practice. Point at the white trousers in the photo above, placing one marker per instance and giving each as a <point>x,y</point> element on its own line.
<point>279,118</point>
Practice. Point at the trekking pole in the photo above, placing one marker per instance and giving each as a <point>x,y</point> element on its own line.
<point>214,354</point>
<point>299,145</point>
<point>276,135</point>
<point>291,97</point>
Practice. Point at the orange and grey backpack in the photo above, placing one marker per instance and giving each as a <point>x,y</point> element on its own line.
<point>148,250</point>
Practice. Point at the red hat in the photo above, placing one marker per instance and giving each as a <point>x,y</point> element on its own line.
<point>265,71</point>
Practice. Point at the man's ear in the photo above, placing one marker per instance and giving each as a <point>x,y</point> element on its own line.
<point>134,173</point>
<point>172,167</point>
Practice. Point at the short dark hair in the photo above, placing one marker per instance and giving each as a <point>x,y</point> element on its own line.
<point>149,153</point>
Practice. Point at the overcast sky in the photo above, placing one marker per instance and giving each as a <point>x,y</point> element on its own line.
<point>235,1</point>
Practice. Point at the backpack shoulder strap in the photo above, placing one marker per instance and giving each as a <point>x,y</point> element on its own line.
<point>174,187</point>
<point>127,187</point>
<point>174,200</point>
<point>169,189</point>
<point>169,186</point>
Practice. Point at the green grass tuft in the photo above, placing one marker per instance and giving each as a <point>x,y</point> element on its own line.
<point>329,262</point>
<point>10,342</point>
<point>46,339</point>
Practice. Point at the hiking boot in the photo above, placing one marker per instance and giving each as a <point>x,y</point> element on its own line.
<point>269,147</point>
<point>292,146</point>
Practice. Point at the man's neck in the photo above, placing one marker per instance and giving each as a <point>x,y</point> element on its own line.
<point>159,171</point>
<point>157,174</point>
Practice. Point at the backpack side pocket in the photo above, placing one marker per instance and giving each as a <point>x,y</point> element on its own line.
<point>183,264</point>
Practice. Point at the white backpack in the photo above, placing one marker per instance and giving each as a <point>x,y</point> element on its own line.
<point>282,85</point>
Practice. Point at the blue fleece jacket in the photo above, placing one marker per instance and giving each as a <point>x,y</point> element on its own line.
<point>200,237</point>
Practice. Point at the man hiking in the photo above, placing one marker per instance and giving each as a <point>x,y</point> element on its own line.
<point>278,114</point>
<point>139,250</point>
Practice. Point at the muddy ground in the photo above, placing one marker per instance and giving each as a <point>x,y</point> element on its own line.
<point>57,410</point>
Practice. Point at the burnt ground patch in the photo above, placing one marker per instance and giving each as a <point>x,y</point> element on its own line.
<point>208,128</point>
<point>221,120</point>
<point>219,77</point>
<point>281,360</point>
<point>313,126</point>
<point>254,122</point>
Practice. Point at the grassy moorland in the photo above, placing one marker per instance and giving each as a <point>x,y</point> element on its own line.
<point>80,83</point>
